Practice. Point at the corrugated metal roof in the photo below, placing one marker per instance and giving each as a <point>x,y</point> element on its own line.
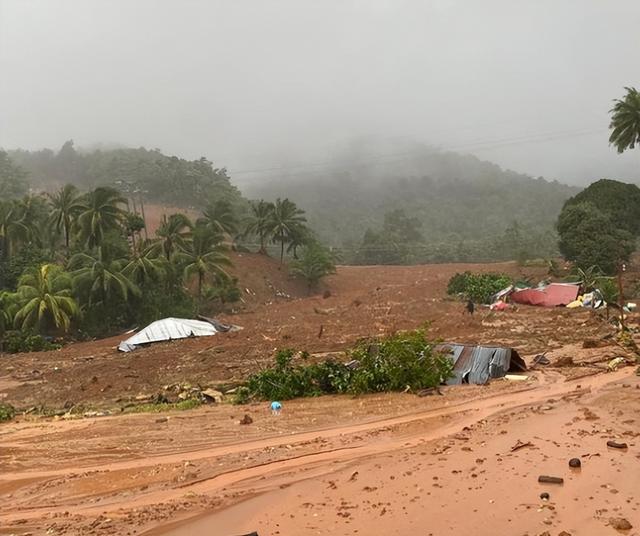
<point>477,364</point>
<point>168,329</point>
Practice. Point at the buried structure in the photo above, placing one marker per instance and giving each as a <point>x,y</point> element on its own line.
<point>169,329</point>
<point>478,364</point>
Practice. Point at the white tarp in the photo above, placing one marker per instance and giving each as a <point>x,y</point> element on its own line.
<point>168,329</point>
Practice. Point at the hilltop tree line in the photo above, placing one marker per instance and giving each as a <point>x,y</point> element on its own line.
<point>138,172</point>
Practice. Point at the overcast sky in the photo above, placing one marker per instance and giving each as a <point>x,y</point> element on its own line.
<point>253,84</point>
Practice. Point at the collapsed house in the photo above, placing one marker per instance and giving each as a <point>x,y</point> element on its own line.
<point>478,364</point>
<point>552,295</point>
<point>169,329</point>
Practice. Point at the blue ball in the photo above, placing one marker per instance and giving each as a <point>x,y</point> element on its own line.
<point>276,406</point>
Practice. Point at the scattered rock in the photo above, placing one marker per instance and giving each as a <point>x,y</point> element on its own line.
<point>246,419</point>
<point>575,463</point>
<point>160,420</point>
<point>544,496</point>
<point>564,533</point>
<point>616,445</point>
<point>620,523</point>
<point>564,361</point>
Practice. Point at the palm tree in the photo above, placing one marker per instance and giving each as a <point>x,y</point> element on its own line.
<point>101,211</point>
<point>300,236</point>
<point>259,222</point>
<point>44,299</point>
<point>145,266</point>
<point>220,218</point>
<point>203,255</point>
<point>285,218</point>
<point>314,263</point>
<point>13,227</point>
<point>66,204</point>
<point>98,278</point>
<point>173,235</point>
<point>7,301</point>
<point>625,121</point>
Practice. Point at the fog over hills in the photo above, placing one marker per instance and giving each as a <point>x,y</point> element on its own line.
<point>260,85</point>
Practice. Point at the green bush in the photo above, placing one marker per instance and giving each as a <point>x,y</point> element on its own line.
<point>25,341</point>
<point>405,361</point>
<point>7,412</point>
<point>286,380</point>
<point>477,287</point>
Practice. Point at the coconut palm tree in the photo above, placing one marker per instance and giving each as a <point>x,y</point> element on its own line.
<point>173,235</point>
<point>625,121</point>
<point>219,217</point>
<point>98,278</point>
<point>314,263</point>
<point>7,302</point>
<point>13,227</point>
<point>102,210</point>
<point>44,299</point>
<point>202,256</point>
<point>285,219</point>
<point>259,222</point>
<point>300,236</point>
<point>66,204</point>
<point>145,266</point>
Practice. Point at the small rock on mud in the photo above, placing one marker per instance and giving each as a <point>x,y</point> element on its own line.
<point>620,523</point>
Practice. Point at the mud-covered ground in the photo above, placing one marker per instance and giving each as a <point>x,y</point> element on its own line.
<point>466,462</point>
<point>277,313</point>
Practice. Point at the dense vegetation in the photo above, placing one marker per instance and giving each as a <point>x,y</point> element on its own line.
<point>600,225</point>
<point>139,173</point>
<point>431,207</point>
<point>78,262</point>
<point>477,287</point>
<point>405,361</point>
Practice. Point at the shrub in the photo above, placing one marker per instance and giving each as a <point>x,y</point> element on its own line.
<point>477,287</point>
<point>404,361</point>
<point>286,380</point>
<point>7,412</point>
<point>25,341</point>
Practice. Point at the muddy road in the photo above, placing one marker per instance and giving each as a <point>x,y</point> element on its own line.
<point>410,465</point>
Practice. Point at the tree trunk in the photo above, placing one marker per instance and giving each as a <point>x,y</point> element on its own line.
<point>199,304</point>
<point>281,251</point>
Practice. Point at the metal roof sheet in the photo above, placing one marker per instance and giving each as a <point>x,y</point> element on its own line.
<point>168,329</point>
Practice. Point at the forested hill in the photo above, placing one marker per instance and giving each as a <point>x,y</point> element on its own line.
<point>456,207</point>
<point>428,206</point>
<point>156,176</point>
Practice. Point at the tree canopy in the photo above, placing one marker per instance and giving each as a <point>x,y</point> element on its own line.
<point>590,237</point>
